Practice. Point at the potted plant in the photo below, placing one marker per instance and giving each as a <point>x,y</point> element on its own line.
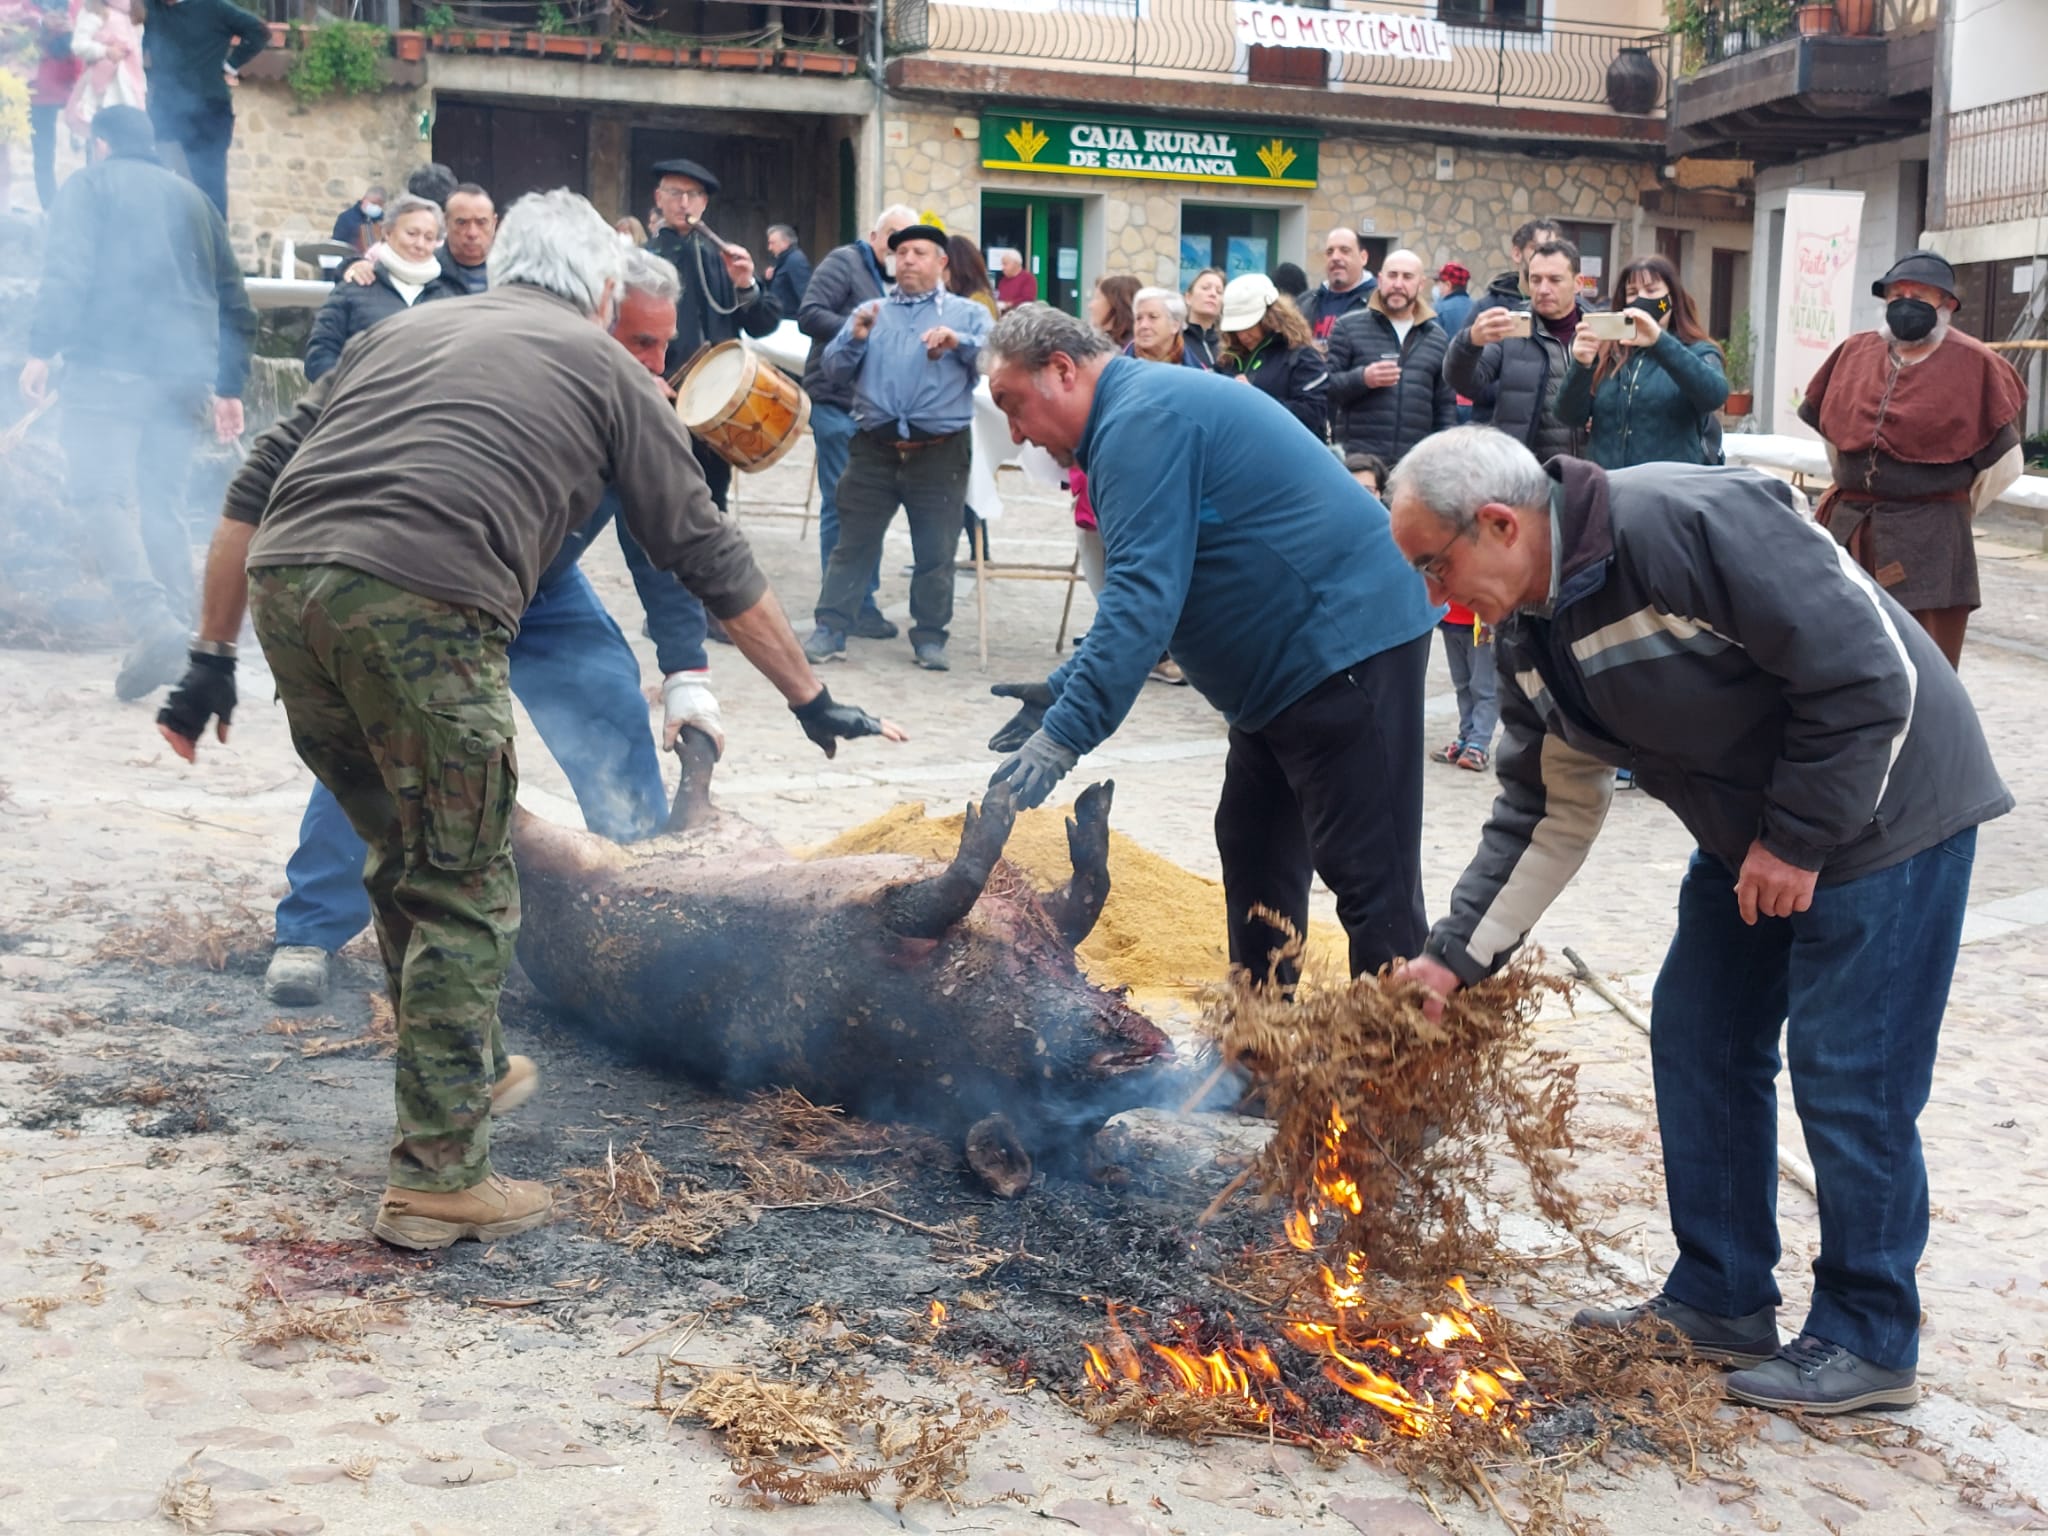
<point>1740,356</point>
<point>555,38</point>
<point>341,58</point>
<point>409,45</point>
<point>1816,18</point>
<point>1858,18</point>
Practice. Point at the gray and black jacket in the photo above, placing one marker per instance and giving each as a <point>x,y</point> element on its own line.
<point>1520,378</point>
<point>1709,637</point>
<point>846,278</point>
<point>1390,420</point>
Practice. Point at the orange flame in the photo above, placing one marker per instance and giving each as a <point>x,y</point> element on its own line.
<point>937,1314</point>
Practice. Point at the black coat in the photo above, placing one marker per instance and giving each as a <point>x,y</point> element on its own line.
<point>353,308</point>
<point>792,276</point>
<point>841,283</point>
<point>709,311</point>
<point>1521,377</point>
<point>1390,420</point>
<point>1297,377</point>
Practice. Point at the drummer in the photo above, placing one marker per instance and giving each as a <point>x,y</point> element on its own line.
<point>912,360</point>
<point>720,297</point>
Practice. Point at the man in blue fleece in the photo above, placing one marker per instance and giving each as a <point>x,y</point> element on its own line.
<point>1272,577</point>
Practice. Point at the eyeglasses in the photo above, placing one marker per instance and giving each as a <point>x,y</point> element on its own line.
<point>1431,567</point>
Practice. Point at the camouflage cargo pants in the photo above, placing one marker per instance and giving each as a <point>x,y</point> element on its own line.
<point>400,705</point>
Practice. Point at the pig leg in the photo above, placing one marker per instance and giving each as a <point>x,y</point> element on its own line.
<point>692,805</point>
<point>927,908</point>
<point>1075,907</point>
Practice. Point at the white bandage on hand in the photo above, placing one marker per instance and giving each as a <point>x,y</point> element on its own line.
<point>687,699</point>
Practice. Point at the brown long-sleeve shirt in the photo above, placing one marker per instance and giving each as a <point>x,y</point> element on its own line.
<point>454,447</point>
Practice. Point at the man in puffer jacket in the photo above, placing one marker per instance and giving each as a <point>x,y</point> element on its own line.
<point>1387,390</point>
<point>1521,374</point>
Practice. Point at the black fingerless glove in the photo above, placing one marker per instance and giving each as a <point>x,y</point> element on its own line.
<point>207,690</point>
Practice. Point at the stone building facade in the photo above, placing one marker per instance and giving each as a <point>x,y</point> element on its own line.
<point>1394,190</point>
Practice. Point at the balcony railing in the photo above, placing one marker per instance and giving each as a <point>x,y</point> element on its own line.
<point>1564,62</point>
<point>1998,163</point>
<point>1714,31</point>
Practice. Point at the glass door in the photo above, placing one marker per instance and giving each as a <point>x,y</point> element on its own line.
<point>1046,231</point>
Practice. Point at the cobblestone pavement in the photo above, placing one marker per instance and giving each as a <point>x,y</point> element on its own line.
<point>472,1421</point>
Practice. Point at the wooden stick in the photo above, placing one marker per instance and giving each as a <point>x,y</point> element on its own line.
<point>1224,1195</point>
<point>653,1334</point>
<point>1793,1166</point>
<point>1209,1083</point>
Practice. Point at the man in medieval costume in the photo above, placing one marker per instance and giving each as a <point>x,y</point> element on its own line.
<point>1923,428</point>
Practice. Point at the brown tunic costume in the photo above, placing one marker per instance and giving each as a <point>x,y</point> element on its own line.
<point>1907,441</point>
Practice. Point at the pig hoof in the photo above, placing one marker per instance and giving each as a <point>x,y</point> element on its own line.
<point>995,1152</point>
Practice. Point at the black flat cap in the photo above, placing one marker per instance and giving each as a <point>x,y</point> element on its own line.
<point>929,232</point>
<point>1920,267</point>
<point>689,168</point>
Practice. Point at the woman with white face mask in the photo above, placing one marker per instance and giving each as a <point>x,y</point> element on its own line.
<point>407,273</point>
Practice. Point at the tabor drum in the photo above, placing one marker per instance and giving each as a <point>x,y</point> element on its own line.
<point>749,411</point>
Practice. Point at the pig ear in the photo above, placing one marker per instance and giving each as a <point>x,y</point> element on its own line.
<point>1075,907</point>
<point>925,909</point>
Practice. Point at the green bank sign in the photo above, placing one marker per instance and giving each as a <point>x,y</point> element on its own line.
<point>1156,151</point>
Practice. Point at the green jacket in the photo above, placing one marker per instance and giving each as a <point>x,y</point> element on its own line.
<point>1652,409</point>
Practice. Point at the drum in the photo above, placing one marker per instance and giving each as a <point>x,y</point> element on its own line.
<point>749,411</point>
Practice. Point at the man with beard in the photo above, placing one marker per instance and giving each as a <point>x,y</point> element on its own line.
<point>1387,389</point>
<point>1923,427</point>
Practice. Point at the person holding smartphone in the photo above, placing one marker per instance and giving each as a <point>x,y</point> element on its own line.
<point>1646,395</point>
<point>1516,357</point>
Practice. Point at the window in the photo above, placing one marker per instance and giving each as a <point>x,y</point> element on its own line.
<point>1520,15</point>
<point>1289,66</point>
<point>1595,243</point>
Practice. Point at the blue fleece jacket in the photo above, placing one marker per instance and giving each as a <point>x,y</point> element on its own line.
<point>1232,541</point>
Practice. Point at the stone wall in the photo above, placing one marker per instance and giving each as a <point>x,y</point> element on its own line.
<point>934,165</point>
<point>293,167</point>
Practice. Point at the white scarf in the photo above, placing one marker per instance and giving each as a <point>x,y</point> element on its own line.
<point>417,273</point>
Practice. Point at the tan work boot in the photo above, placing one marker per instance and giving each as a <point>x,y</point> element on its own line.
<point>520,1082</point>
<point>498,1207</point>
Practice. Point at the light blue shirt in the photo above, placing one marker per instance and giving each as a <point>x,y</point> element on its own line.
<point>895,385</point>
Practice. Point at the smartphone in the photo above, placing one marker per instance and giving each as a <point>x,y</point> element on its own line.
<point>1519,323</point>
<point>1607,326</point>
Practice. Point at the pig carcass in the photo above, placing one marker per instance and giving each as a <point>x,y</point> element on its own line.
<point>896,988</point>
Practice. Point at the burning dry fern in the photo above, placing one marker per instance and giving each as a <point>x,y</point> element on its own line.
<point>1386,1121</point>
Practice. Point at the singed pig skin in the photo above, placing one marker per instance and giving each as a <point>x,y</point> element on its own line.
<point>714,954</point>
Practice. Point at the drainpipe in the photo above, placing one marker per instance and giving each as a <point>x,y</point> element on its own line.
<point>881,113</point>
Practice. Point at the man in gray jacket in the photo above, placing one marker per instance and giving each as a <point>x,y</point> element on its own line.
<point>143,304</point>
<point>1833,775</point>
<point>847,278</point>
<point>1515,357</point>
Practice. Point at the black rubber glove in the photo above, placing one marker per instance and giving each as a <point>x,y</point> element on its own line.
<point>826,723</point>
<point>206,690</point>
<point>1036,699</point>
<point>1033,769</point>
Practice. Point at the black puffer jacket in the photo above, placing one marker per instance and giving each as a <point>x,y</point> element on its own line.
<point>353,308</point>
<point>1393,418</point>
<point>1295,376</point>
<point>1521,376</point>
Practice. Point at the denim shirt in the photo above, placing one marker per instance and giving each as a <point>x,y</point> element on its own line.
<point>896,386</point>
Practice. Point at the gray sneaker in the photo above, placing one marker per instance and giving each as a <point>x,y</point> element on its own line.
<point>297,977</point>
<point>825,645</point>
<point>931,655</point>
<point>1747,1340</point>
<point>153,662</point>
<point>1815,1376</point>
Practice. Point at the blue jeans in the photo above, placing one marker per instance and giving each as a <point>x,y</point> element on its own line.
<point>832,433</point>
<point>1476,676</point>
<point>580,681</point>
<point>1861,981</point>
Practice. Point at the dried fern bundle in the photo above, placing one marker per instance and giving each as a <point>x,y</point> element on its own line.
<point>1389,1123</point>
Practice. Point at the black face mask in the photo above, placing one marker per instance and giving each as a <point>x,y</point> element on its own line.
<point>1910,319</point>
<point>1658,309</point>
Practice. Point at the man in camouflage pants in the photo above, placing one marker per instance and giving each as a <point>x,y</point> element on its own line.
<point>390,533</point>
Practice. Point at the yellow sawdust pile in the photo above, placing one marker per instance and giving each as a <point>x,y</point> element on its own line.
<point>1162,928</point>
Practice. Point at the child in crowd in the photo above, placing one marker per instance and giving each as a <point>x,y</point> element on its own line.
<point>1467,645</point>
